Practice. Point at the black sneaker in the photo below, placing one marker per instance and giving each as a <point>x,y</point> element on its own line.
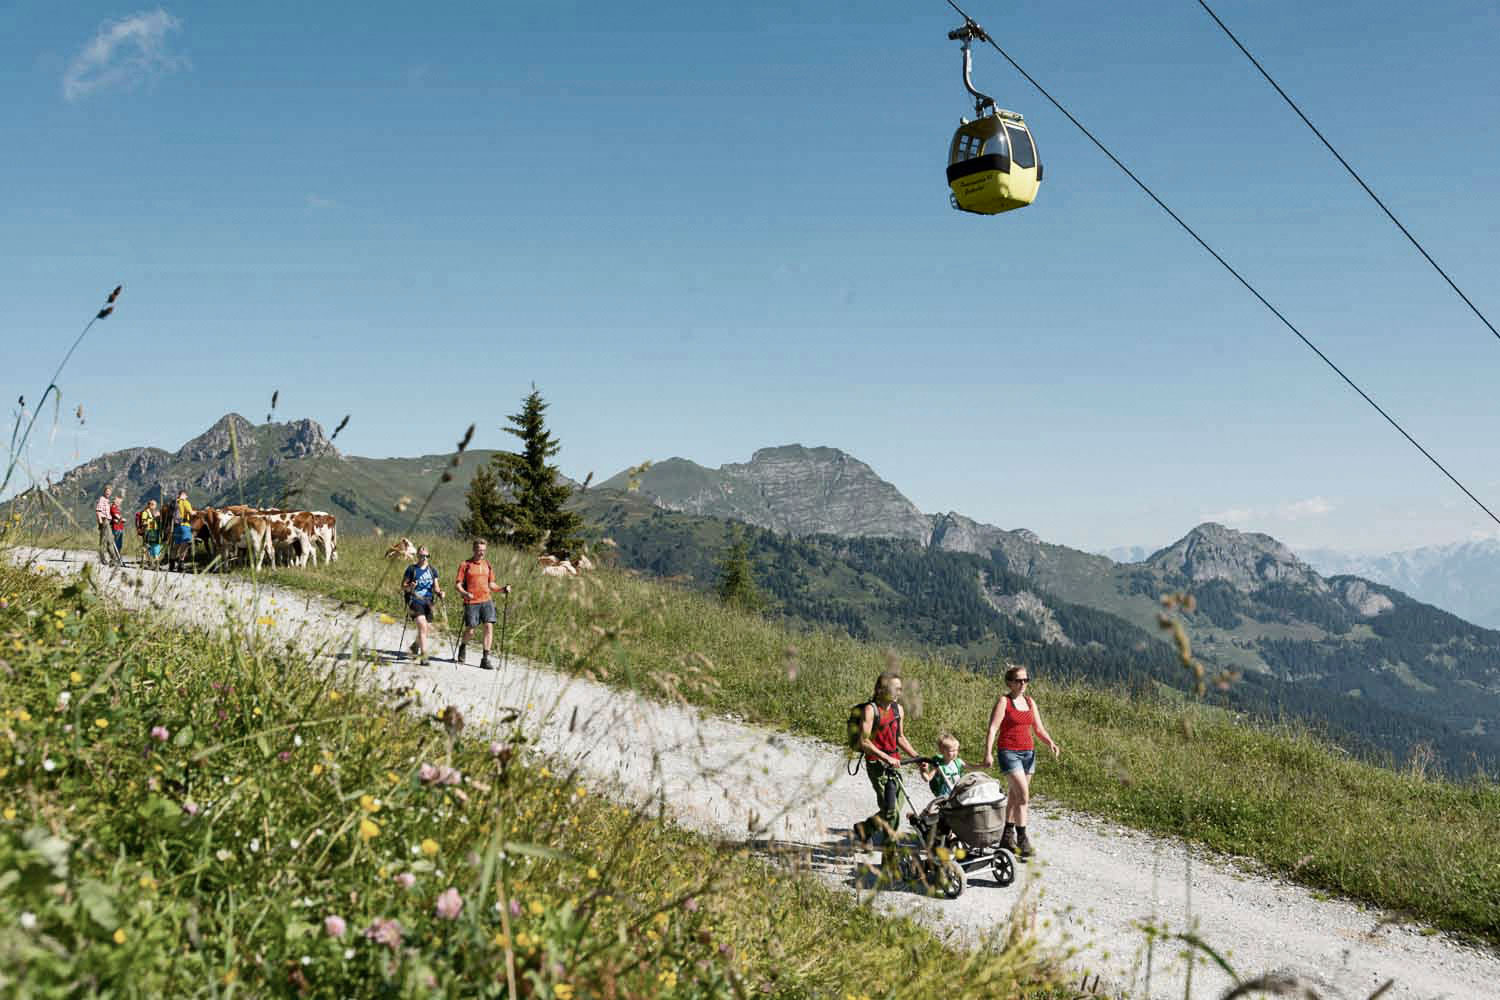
<point>462,649</point>
<point>1008,839</point>
<point>485,664</point>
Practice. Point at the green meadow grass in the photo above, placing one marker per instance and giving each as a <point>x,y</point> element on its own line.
<point>1419,846</point>
<point>185,816</point>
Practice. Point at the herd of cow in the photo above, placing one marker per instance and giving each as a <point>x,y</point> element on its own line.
<point>285,537</point>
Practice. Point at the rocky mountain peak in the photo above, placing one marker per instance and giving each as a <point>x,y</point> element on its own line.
<point>219,440</point>
<point>1246,560</point>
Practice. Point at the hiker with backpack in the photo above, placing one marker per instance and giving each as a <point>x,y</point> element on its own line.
<point>109,553</point>
<point>420,585</point>
<point>148,529</point>
<point>476,582</point>
<point>117,527</point>
<point>882,739</point>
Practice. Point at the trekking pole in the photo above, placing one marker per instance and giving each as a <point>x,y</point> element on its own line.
<point>504,621</point>
<point>401,646</point>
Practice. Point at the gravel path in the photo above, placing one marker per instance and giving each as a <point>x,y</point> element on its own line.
<point>1091,889</point>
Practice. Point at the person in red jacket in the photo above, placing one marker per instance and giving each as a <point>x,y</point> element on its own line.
<point>476,582</point>
<point>882,738</point>
<point>1014,719</point>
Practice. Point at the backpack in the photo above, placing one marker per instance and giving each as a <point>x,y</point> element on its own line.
<point>856,729</point>
<point>140,522</point>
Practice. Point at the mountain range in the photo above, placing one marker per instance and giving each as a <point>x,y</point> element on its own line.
<point>835,546</point>
<point>1463,577</point>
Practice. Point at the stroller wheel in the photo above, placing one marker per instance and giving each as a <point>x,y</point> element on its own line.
<point>946,879</point>
<point>1005,867</point>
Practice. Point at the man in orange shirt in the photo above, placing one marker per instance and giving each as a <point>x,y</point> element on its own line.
<point>476,582</point>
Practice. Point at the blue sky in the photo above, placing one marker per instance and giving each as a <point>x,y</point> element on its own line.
<point>703,229</point>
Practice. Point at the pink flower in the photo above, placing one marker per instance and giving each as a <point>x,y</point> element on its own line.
<point>439,774</point>
<point>334,925</point>
<point>450,904</point>
<point>515,907</point>
<point>406,880</point>
<point>191,808</point>
<point>160,734</point>
<point>386,932</point>
<point>428,773</point>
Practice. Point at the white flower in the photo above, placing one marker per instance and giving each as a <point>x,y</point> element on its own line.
<point>65,697</point>
<point>348,953</point>
<point>294,843</point>
<point>223,854</point>
<point>296,741</point>
<point>48,764</point>
<point>306,960</point>
<point>254,845</point>
<point>28,920</point>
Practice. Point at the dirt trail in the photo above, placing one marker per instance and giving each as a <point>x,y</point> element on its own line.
<point>1093,886</point>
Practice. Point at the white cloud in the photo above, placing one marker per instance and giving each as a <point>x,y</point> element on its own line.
<point>1298,509</point>
<point>1234,515</point>
<point>123,53</point>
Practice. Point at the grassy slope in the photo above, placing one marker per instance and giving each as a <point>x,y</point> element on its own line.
<point>1421,846</point>
<point>207,863</point>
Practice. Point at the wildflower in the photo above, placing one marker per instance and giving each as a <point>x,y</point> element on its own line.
<point>406,880</point>
<point>593,872</point>
<point>563,991</point>
<point>440,774</point>
<point>317,769</point>
<point>369,803</point>
<point>537,909</point>
<point>254,845</point>
<point>22,715</point>
<point>9,813</point>
<point>119,935</point>
<point>223,854</point>
<point>429,846</point>
<point>190,807</point>
<point>28,920</point>
<point>101,723</point>
<point>334,926</point>
<point>334,696</point>
<point>294,843</point>
<point>348,954</point>
<point>515,907</point>
<point>48,764</point>
<point>160,734</point>
<point>386,932</point>
<point>449,904</point>
<point>64,699</point>
<point>75,677</point>
<point>668,979</point>
<point>690,904</point>
<point>284,756</point>
<point>368,830</point>
<point>265,620</point>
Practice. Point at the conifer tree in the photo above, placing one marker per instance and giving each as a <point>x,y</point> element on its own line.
<point>736,586</point>
<point>485,518</point>
<point>533,513</point>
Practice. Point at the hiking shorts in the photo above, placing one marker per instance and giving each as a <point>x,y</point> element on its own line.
<point>1018,760</point>
<point>481,613</point>
<point>419,608</point>
<point>183,534</point>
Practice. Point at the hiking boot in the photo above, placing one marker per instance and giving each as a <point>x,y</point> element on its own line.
<point>1008,838</point>
<point>1023,845</point>
<point>462,649</point>
<point>416,649</point>
<point>484,662</point>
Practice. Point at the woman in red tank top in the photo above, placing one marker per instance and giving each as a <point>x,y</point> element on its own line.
<point>1014,719</point>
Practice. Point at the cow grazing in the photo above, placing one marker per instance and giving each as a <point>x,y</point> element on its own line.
<point>402,549</point>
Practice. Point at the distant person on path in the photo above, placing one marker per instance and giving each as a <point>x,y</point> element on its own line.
<point>1014,718</point>
<point>117,526</point>
<point>883,740</point>
<point>148,527</point>
<point>108,555</point>
<point>420,584</point>
<point>476,582</point>
<point>181,520</point>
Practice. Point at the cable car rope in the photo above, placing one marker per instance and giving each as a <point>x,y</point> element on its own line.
<point>1352,172</point>
<point>1228,267</point>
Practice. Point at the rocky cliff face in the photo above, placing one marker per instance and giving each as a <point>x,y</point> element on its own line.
<point>1247,561</point>
<point>790,489</point>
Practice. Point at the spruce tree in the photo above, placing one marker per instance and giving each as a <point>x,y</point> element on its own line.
<point>485,518</point>
<point>533,512</point>
<point>736,586</point>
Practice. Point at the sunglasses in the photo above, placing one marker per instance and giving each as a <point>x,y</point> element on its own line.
<point>1020,680</point>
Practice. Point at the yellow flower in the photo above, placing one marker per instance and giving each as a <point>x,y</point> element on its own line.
<point>593,872</point>
<point>120,936</point>
<point>395,778</point>
<point>523,940</point>
<point>501,941</point>
<point>265,620</point>
<point>429,846</point>
<point>387,620</point>
<point>147,882</point>
<point>22,715</point>
<point>537,909</point>
<point>368,829</point>
<point>563,991</point>
<point>317,769</point>
<point>101,723</point>
<point>76,677</point>
<point>334,696</point>
<point>668,979</point>
<point>9,814</point>
<point>369,803</point>
<point>255,710</point>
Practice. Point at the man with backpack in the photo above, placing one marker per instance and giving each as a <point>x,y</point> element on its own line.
<point>109,554</point>
<point>148,527</point>
<point>476,582</point>
<point>882,739</point>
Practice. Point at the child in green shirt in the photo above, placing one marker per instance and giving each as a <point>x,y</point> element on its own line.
<point>944,774</point>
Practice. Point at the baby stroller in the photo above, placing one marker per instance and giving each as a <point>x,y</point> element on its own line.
<point>960,833</point>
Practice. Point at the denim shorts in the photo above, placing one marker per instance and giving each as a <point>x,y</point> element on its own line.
<point>474,614</point>
<point>1018,760</point>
